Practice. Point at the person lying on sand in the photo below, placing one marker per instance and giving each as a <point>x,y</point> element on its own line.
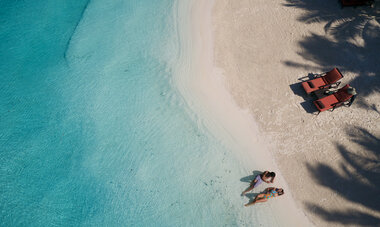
<point>268,193</point>
<point>266,176</point>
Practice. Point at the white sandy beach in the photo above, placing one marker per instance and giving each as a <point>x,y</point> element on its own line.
<point>203,86</point>
<point>160,113</point>
<point>330,161</point>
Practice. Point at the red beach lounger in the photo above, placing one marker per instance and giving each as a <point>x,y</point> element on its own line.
<point>322,81</point>
<point>334,100</point>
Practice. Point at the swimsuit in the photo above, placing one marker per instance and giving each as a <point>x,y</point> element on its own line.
<point>258,180</point>
<point>270,194</point>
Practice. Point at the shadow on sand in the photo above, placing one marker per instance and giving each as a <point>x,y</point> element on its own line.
<point>351,43</point>
<point>250,178</point>
<point>307,104</point>
<point>252,196</point>
<point>358,180</point>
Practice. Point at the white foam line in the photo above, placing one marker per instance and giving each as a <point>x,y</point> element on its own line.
<point>203,88</point>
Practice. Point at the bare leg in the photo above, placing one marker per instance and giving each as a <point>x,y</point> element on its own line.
<point>247,190</point>
<point>261,200</point>
<point>258,199</point>
<point>250,204</point>
<point>251,186</point>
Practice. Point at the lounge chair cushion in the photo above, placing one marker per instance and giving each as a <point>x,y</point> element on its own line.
<point>333,76</point>
<point>320,104</point>
<point>326,103</point>
<point>342,95</point>
<point>313,85</point>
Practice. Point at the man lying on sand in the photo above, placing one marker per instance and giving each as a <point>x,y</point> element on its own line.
<point>267,177</point>
<point>268,193</point>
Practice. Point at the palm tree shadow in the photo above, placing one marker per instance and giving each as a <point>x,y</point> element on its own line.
<point>343,50</point>
<point>346,217</point>
<point>352,43</point>
<point>357,181</point>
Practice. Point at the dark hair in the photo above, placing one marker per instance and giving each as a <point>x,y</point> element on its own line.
<point>280,191</point>
<point>272,174</point>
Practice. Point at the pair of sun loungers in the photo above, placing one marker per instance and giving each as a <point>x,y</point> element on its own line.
<point>328,100</point>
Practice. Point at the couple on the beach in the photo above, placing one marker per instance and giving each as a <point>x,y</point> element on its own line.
<point>267,177</point>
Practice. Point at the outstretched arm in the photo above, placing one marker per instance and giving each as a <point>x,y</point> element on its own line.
<point>272,179</point>
<point>269,189</point>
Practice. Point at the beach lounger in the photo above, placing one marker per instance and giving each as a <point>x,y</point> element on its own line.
<point>323,81</point>
<point>330,102</point>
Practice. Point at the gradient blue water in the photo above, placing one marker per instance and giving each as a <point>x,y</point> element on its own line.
<point>92,131</point>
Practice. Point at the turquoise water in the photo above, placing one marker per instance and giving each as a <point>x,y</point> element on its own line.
<point>92,131</point>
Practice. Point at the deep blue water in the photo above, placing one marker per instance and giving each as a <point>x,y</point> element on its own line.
<point>92,131</point>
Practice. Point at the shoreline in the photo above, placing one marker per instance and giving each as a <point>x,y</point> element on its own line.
<point>204,88</point>
<point>327,161</point>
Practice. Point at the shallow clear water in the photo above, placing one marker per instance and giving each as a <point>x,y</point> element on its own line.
<point>92,132</point>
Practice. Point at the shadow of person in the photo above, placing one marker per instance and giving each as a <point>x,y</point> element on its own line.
<point>251,196</point>
<point>250,178</point>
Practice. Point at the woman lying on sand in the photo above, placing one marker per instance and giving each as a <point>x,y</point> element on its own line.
<point>266,176</point>
<point>268,193</point>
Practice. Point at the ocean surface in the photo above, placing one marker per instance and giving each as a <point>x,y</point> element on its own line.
<point>93,131</point>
